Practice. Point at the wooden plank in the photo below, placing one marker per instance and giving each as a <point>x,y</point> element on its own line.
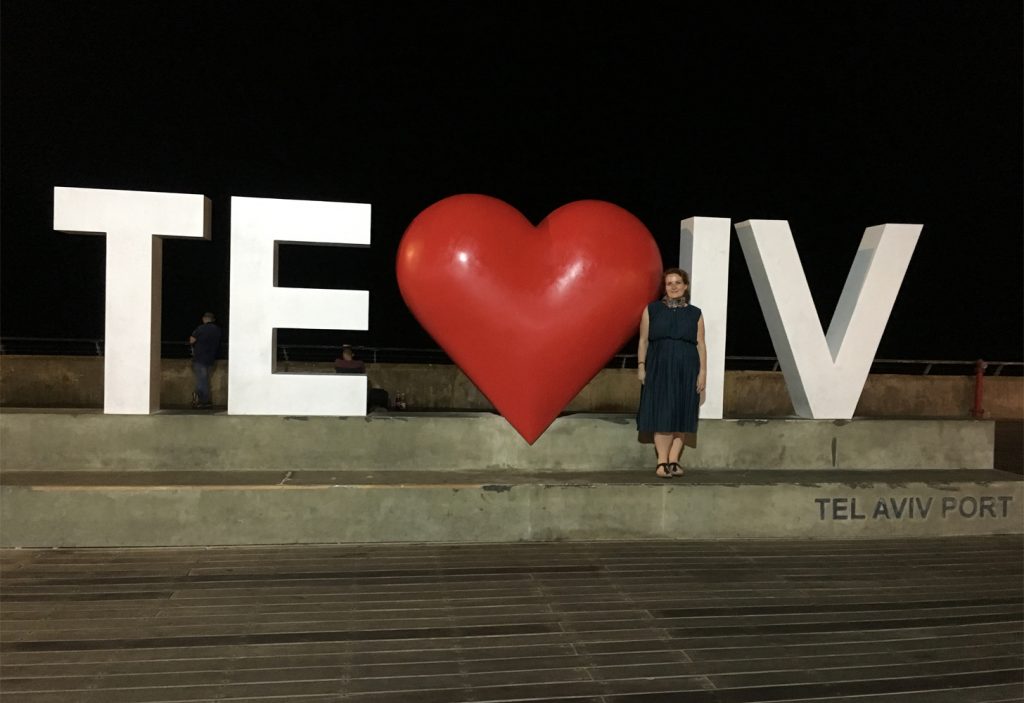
<point>701,621</point>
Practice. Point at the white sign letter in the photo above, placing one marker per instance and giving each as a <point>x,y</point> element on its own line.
<point>825,374</point>
<point>259,307</point>
<point>704,254</point>
<point>135,223</point>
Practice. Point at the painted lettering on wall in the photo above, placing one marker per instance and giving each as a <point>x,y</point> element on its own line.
<point>913,507</point>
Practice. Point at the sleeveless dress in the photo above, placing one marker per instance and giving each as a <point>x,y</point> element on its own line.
<point>669,401</point>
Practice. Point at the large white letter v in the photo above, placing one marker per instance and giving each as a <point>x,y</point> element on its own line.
<point>825,373</point>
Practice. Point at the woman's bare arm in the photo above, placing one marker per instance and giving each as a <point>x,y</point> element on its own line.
<point>702,351</point>
<point>641,349</point>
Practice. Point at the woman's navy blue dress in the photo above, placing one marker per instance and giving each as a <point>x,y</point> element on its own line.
<point>669,401</point>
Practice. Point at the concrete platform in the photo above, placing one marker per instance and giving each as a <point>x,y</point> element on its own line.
<point>175,479</point>
<point>173,441</point>
<point>158,508</point>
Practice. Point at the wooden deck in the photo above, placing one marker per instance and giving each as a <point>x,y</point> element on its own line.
<point>909,621</point>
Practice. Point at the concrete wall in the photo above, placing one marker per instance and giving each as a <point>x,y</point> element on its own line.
<point>77,382</point>
<point>35,440</point>
<point>530,510</point>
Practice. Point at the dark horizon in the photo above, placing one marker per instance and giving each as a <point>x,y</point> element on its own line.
<point>833,117</point>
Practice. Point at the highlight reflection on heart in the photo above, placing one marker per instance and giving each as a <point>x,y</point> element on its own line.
<point>530,314</point>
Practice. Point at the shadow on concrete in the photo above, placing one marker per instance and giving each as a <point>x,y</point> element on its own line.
<point>1009,446</point>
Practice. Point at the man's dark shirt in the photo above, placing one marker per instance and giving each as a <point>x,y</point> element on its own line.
<point>349,366</point>
<point>207,342</point>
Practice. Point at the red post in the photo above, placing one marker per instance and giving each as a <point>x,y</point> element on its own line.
<point>979,388</point>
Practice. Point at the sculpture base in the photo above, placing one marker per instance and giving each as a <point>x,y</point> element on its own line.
<point>177,440</point>
<point>104,509</point>
<point>72,479</point>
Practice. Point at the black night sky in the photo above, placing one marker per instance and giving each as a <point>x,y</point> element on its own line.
<point>833,115</point>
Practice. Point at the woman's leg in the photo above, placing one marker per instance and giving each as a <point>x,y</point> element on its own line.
<point>663,444</point>
<point>676,448</point>
<point>676,452</point>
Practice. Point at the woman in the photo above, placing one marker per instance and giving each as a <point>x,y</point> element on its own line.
<point>671,366</point>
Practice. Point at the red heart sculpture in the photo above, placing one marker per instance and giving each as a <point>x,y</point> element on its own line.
<point>530,314</point>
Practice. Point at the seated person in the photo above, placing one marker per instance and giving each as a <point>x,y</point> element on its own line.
<point>347,362</point>
<point>376,398</point>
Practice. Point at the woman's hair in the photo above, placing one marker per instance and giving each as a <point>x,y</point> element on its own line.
<point>683,274</point>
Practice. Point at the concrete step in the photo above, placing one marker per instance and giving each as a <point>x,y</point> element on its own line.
<point>157,508</point>
<point>170,440</point>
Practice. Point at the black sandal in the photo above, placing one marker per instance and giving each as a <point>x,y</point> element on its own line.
<point>677,470</point>
<point>668,474</point>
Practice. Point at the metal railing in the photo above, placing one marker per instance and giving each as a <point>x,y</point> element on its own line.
<point>405,355</point>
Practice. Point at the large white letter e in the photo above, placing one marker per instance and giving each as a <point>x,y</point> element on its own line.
<point>259,307</point>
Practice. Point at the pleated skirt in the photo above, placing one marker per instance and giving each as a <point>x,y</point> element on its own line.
<point>669,401</point>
